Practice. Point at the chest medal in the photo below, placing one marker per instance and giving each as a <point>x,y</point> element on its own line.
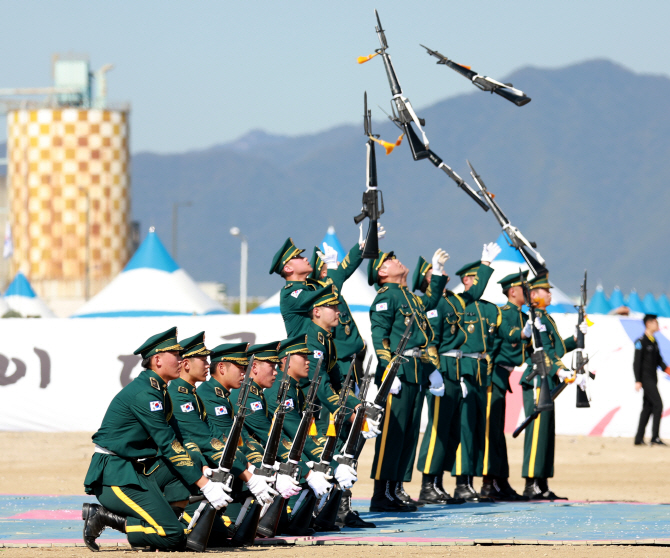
<point>453,329</point>
<point>347,330</point>
<point>471,328</point>
<point>407,319</point>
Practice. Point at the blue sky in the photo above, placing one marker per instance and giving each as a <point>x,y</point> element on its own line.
<point>201,73</point>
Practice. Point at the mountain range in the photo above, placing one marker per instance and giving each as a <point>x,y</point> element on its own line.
<point>581,170</point>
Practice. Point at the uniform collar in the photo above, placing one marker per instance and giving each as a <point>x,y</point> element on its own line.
<point>319,329</point>
<point>650,337</point>
<point>256,389</point>
<point>217,384</point>
<point>161,383</point>
<point>181,382</point>
<point>511,304</point>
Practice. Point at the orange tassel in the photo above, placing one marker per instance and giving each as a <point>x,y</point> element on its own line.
<point>331,427</point>
<point>312,429</point>
<point>365,428</point>
<point>389,147</point>
<point>364,59</point>
<point>240,443</point>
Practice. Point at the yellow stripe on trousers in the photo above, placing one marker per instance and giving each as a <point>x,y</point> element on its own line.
<point>536,436</point>
<point>433,435</point>
<point>489,393</point>
<point>387,417</point>
<point>137,509</point>
<point>458,461</point>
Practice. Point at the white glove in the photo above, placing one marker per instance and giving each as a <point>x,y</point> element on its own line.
<point>464,388</point>
<point>440,257</point>
<point>287,486</point>
<point>490,251</point>
<point>345,476</point>
<point>436,383</point>
<point>216,494</point>
<point>381,231</point>
<point>318,482</point>
<point>581,381</point>
<point>361,236</point>
<point>207,472</point>
<point>563,374</point>
<point>329,256</point>
<point>527,330</point>
<point>396,386</point>
<point>539,325</point>
<point>261,489</point>
<point>373,429</point>
<point>581,327</point>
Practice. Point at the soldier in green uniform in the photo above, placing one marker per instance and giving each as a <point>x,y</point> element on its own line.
<point>139,468</point>
<point>511,351</point>
<point>393,309</point>
<point>540,435</point>
<point>443,431</point>
<point>259,421</point>
<point>295,269</point>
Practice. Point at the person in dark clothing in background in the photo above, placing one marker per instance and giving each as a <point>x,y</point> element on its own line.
<point>647,360</point>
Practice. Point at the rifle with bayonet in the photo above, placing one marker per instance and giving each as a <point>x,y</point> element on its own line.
<point>513,236</point>
<point>353,445</point>
<point>403,116</point>
<point>485,83</point>
<point>579,359</point>
<point>553,394</point>
<point>205,516</point>
<point>330,502</point>
<point>373,200</point>
<point>376,409</point>
<point>538,360</point>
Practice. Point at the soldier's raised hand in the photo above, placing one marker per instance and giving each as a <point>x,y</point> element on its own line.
<point>440,257</point>
<point>490,251</point>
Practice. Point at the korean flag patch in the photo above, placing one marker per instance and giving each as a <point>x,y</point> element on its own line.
<point>218,411</point>
<point>318,354</point>
<point>431,314</point>
<point>638,345</point>
<point>256,406</point>
<point>289,404</point>
<point>296,294</point>
<point>156,406</point>
<point>381,307</point>
<point>187,407</point>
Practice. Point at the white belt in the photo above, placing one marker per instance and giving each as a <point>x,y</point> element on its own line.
<point>415,353</point>
<point>100,449</point>
<point>461,354</point>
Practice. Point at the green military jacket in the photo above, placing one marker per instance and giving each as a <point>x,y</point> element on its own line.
<point>480,320</point>
<point>348,340</point>
<point>295,403</point>
<point>511,350</point>
<point>447,323</point>
<point>134,427</point>
<point>555,347</point>
<point>190,421</point>
<point>220,416</point>
<point>294,308</point>
<point>390,314</point>
<point>320,343</point>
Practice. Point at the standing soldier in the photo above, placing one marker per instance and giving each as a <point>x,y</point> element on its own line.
<point>540,436</point>
<point>139,468</point>
<point>512,348</point>
<point>479,322</point>
<point>393,309</point>
<point>647,360</point>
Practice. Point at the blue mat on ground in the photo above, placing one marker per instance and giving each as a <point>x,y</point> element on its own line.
<point>54,519</point>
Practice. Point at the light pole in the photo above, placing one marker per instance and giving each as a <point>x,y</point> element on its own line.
<point>175,209</point>
<point>243,269</point>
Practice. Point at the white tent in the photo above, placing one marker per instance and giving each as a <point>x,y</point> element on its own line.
<point>3,307</point>
<point>510,261</point>
<point>356,291</point>
<point>21,298</point>
<point>152,284</point>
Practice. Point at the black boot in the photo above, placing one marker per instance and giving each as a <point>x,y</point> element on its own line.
<point>507,493</point>
<point>404,497</point>
<point>465,490</point>
<point>547,494</point>
<point>348,517</point>
<point>96,518</point>
<point>384,499</point>
<point>532,490</point>
<point>445,495</point>
<point>430,493</point>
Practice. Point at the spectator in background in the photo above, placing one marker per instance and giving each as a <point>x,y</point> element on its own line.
<point>647,360</point>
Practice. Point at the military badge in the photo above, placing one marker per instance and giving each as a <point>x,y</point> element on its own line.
<point>154,383</point>
<point>407,320</point>
<point>471,328</point>
<point>177,447</point>
<point>320,338</point>
<point>286,443</point>
<point>453,329</point>
<point>347,330</point>
<point>219,392</point>
<point>182,389</point>
<point>217,444</point>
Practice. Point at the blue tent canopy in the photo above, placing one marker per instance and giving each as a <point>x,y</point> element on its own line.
<point>616,300</point>
<point>598,303</point>
<point>152,254</point>
<point>508,253</point>
<point>20,286</point>
<point>634,302</point>
<point>650,305</point>
<point>664,306</point>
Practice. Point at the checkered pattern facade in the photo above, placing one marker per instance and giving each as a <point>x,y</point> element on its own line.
<point>58,162</point>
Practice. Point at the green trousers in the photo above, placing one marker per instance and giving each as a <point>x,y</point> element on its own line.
<point>495,461</point>
<point>540,437</point>
<point>442,435</point>
<point>470,451</point>
<point>395,448</point>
